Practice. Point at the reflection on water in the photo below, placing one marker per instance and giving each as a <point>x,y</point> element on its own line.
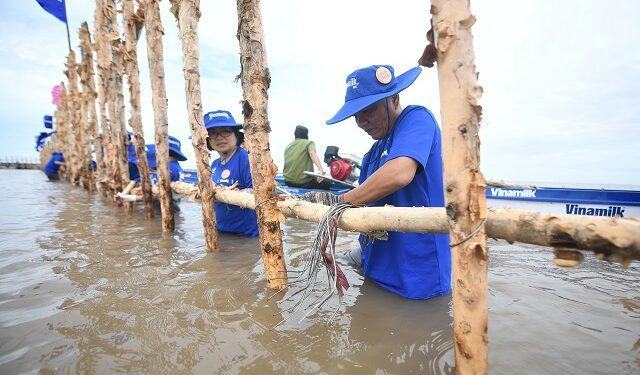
<point>86,287</point>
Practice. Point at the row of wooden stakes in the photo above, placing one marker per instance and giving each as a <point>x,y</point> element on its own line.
<point>80,135</point>
<point>82,131</point>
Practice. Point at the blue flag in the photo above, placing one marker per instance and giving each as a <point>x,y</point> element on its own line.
<point>55,7</point>
<point>48,121</point>
<point>41,138</point>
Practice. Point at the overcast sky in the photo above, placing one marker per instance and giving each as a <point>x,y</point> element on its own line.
<point>561,101</point>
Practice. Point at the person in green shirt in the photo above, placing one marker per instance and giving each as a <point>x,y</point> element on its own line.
<point>300,156</point>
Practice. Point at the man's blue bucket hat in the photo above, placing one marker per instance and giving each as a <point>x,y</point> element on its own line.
<point>218,119</point>
<point>368,85</point>
<point>174,148</point>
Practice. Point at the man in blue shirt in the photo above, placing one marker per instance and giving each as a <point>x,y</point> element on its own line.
<point>403,168</point>
<point>52,167</point>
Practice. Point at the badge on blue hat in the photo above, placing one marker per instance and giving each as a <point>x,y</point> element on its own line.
<point>219,119</point>
<point>368,85</point>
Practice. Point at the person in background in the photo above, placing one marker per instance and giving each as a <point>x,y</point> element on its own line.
<point>299,157</point>
<point>52,168</point>
<point>175,156</point>
<point>230,170</point>
<point>403,168</point>
<point>134,174</point>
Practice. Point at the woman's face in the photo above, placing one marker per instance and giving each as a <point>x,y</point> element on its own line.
<point>223,139</point>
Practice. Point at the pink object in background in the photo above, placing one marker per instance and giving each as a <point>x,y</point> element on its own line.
<point>55,94</point>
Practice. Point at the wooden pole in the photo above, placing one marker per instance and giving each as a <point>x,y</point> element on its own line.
<point>81,138</point>
<point>91,125</point>
<point>464,183</point>
<point>255,80</point>
<point>73,119</point>
<point>133,22</point>
<point>103,53</point>
<point>116,109</point>
<point>154,31</point>
<point>61,142</point>
<point>187,13</point>
<point>614,239</point>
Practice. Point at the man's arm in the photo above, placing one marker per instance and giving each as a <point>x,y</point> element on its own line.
<point>392,176</point>
<point>316,161</point>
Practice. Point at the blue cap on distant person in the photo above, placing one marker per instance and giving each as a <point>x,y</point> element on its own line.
<point>220,118</point>
<point>174,148</point>
<point>368,85</point>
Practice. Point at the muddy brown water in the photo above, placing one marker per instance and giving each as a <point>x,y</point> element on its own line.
<point>88,288</point>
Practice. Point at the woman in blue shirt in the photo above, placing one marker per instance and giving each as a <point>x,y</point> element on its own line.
<point>230,169</point>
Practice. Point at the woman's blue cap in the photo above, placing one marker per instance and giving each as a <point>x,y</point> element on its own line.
<point>175,149</point>
<point>219,119</point>
<point>368,85</point>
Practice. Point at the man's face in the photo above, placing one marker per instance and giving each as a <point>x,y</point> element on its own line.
<point>374,119</point>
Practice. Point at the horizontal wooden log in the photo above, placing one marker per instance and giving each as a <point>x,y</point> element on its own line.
<point>611,238</point>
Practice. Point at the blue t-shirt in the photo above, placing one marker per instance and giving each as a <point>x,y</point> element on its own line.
<point>52,167</point>
<point>229,218</point>
<point>131,153</point>
<point>174,170</point>
<point>413,265</point>
<point>134,174</point>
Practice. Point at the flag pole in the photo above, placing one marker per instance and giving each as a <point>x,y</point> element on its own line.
<point>66,16</point>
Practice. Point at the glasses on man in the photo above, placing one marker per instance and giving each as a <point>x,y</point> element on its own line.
<point>220,133</point>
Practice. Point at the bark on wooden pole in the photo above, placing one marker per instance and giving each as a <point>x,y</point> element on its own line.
<point>91,120</point>
<point>255,78</point>
<point>73,119</point>
<point>103,54</point>
<point>84,157</point>
<point>133,23</point>
<point>187,13</point>
<point>464,183</point>
<point>116,108</point>
<point>154,32</point>
<point>62,128</point>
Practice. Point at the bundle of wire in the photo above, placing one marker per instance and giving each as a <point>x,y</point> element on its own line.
<point>323,252</point>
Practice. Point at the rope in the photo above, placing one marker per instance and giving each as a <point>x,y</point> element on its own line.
<point>322,253</point>
<point>467,238</point>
